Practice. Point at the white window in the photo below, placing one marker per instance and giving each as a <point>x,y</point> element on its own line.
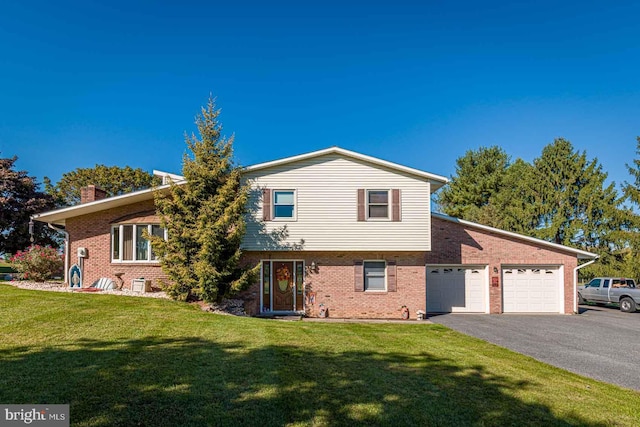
<point>128,243</point>
<point>284,204</point>
<point>378,204</point>
<point>375,276</point>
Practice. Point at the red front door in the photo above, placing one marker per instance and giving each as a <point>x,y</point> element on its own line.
<point>282,285</point>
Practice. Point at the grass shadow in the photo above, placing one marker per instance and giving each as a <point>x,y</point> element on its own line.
<point>195,381</point>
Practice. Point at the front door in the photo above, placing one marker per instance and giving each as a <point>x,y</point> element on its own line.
<point>283,289</point>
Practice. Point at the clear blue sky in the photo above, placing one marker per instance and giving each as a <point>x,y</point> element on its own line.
<point>417,83</point>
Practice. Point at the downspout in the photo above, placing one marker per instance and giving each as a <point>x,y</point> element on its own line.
<point>575,282</point>
<point>66,250</point>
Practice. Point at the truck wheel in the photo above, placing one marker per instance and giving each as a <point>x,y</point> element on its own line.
<point>627,305</point>
<point>580,299</point>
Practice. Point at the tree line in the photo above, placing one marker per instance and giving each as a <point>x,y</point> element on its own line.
<point>562,197</point>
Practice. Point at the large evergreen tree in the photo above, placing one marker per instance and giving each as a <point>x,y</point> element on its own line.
<point>479,175</point>
<point>572,204</point>
<point>19,199</point>
<point>204,218</point>
<point>510,207</point>
<point>113,179</point>
<point>562,198</point>
<point>629,251</point>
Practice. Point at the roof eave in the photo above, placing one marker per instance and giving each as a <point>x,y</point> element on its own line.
<point>436,181</point>
<point>59,216</point>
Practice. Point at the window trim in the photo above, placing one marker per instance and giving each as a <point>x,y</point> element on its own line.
<point>368,217</point>
<point>134,243</point>
<point>364,275</point>
<point>294,217</point>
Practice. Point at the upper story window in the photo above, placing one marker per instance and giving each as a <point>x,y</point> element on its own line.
<point>378,204</point>
<point>128,243</point>
<point>284,206</point>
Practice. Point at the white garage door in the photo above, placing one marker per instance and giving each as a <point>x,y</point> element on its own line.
<point>531,290</point>
<point>456,289</point>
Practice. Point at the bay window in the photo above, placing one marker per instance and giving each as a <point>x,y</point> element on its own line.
<point>128,242</point>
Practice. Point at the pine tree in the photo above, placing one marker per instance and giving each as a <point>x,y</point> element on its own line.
<point>511,207</point>
<point>479,175</point>
<point>629,251</point>
<point>572,204</point>
<point>204,218</point>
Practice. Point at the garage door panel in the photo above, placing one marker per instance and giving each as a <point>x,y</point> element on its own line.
<point>531,290</point>
<point>455,289</point>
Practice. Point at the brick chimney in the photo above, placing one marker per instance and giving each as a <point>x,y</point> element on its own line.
<point>91,193</point>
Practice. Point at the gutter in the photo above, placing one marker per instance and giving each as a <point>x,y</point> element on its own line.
<point>575,282</point>
<point>66,250</point>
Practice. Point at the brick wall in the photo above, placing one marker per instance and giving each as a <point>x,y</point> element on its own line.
<point>333,280</point>
<point>93,231</point>
<point>333,284</point>
<point>458,244</point>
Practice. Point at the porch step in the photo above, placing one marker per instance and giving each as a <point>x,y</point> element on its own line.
<point>290,317</point>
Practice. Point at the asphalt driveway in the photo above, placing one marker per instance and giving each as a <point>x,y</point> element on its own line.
<point>600,342</point>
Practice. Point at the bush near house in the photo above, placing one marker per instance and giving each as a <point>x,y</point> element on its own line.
<point>37,263</point>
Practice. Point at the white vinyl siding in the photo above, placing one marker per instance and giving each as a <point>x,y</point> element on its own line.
<point>326,190</point>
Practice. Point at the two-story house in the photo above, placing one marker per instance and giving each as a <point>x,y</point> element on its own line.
<point>348,233</point>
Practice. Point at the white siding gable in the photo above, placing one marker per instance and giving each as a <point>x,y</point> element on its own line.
<point>326,207</point>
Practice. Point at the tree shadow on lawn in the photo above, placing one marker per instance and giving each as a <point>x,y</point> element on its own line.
<point>173,382</point>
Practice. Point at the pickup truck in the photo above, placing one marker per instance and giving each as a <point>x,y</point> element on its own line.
<point>603,290</point>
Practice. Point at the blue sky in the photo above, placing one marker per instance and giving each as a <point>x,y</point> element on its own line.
<point>417,83</point>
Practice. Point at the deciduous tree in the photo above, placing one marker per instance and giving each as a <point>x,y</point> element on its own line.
<point>114,180</point>
<point>19,199</point>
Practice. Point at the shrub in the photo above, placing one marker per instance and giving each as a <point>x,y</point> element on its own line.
<point>37,263</point>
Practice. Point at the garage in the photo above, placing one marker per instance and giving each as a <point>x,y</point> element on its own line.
<point>458,289</point>
<point>531,289</point>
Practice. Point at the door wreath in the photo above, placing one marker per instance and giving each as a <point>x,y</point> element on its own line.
<point>283,277</point>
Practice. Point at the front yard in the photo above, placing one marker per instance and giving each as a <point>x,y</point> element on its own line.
<point>137,361</point>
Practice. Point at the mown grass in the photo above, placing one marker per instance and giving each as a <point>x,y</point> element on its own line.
<point>134,361</point>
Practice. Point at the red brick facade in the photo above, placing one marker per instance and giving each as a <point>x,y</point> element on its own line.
<point>453,243</point>
<point>332,281</point>
<point>93,232</point>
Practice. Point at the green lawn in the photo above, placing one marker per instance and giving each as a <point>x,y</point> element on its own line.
<point>5,267</point>
<point>136,361</point>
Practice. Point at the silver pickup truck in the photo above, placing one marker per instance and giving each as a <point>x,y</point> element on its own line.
<point>603,290</point>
